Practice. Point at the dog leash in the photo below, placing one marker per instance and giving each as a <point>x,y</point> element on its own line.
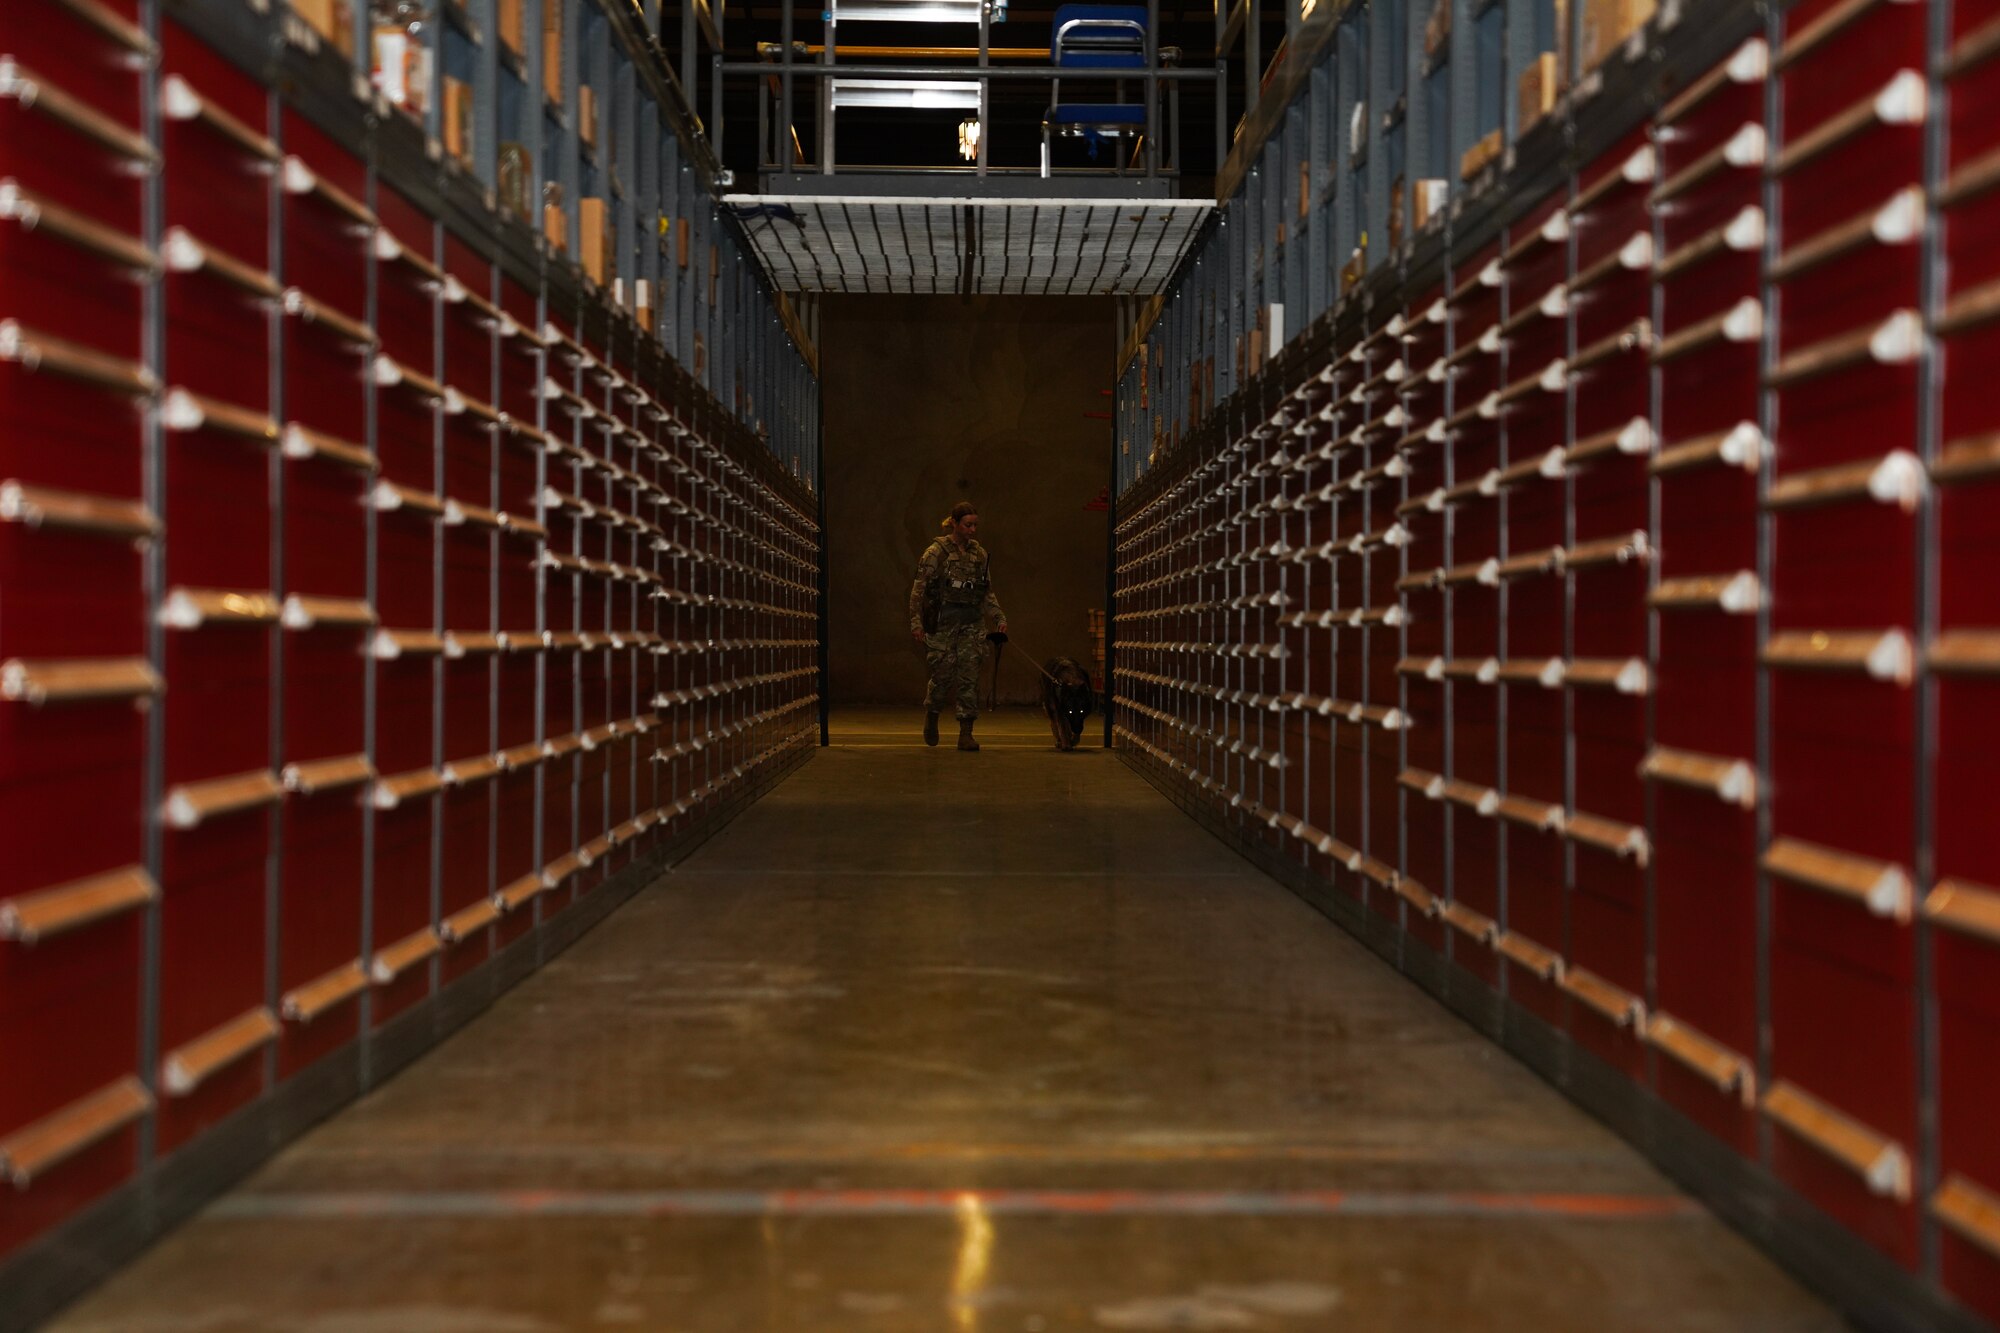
<point>1033,662</point>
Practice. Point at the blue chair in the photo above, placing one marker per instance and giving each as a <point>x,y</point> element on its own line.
<point>1095,37</point>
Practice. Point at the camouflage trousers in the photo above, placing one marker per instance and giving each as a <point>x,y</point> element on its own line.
<point>955,653</point>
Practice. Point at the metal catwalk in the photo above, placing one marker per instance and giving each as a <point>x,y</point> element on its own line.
<point>936,1041</point>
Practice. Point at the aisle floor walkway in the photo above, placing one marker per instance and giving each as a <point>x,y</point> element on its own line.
<point>951,1043</point>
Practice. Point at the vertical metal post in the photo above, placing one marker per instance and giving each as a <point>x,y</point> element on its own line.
<point>496,293</point>
<point>152,307</point>
<point>820,580</point>
<point>274,898</point>
<point>1503,634</point>
<point>1402,793</point>
<point>1936,165</point>
<point>1448,701</point>
<point>536,119</point>
<point>1152,51</point>
<point>371,705</point>
<point>1380,95</point>
<point>1253,56</point>
<point>716,8</point>
<point>1221,87</point>
<point>785,121</point>
<point>1464,99</point>
<point>1110,690</point>
<point>570,145</point>
<point>767,151</point>
<point>1656,311</point>
<point>1767,413</point>
<point>486,102</point>
<point>985,88</point>
<point>826,100</point>
<point>689,40</point>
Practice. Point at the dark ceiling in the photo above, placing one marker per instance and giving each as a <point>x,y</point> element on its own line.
<point>905,138</point>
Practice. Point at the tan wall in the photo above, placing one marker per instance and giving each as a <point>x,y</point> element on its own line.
<point>930,400</point>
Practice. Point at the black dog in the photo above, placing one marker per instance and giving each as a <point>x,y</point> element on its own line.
<point>1067,698</point>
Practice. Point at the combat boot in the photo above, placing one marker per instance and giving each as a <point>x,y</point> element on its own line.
<point>930,728</point>
<point>965,741</point>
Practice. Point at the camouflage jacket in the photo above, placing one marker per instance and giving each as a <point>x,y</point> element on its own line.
<point>952,586</point>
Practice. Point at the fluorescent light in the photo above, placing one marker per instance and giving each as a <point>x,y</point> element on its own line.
<point>915,94</point>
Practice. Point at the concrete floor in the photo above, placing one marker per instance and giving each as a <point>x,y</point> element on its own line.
<point>940,1042</point>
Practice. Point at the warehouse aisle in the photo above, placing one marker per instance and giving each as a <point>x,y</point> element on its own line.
<point>928,1041</point>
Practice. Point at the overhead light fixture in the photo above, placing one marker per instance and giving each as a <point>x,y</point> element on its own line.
<point>908,94</point>
<point>968,139</point>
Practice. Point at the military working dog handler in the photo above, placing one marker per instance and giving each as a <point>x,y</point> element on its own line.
<point>949,603</point>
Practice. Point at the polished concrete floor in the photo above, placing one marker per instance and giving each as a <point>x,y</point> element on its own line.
<point>952,1043</point>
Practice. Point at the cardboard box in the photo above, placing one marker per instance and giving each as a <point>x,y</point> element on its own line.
<point>1606,25</point>
<point>1305,188</point>
<point>552,50</point>
<point>1536,92</point>
<point>681,231</point>
<point>1397,191</point>
<point>517,181</point>
<point>458,118</point>
<point>402,69</point>
<point>586,114</point>
<point>1479,155</point>
<point>555,224</point>
<point>1428,200</point>
<point>596,241</point>
<point>511,20</point>
<point>1437,28</point>
<point>331,19</point>
<point>1355,269</point>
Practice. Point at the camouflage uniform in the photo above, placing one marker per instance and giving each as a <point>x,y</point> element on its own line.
<point>954,579</point>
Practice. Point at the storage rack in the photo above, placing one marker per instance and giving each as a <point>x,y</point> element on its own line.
<point>1588,600</point>
<point>385,601</point>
